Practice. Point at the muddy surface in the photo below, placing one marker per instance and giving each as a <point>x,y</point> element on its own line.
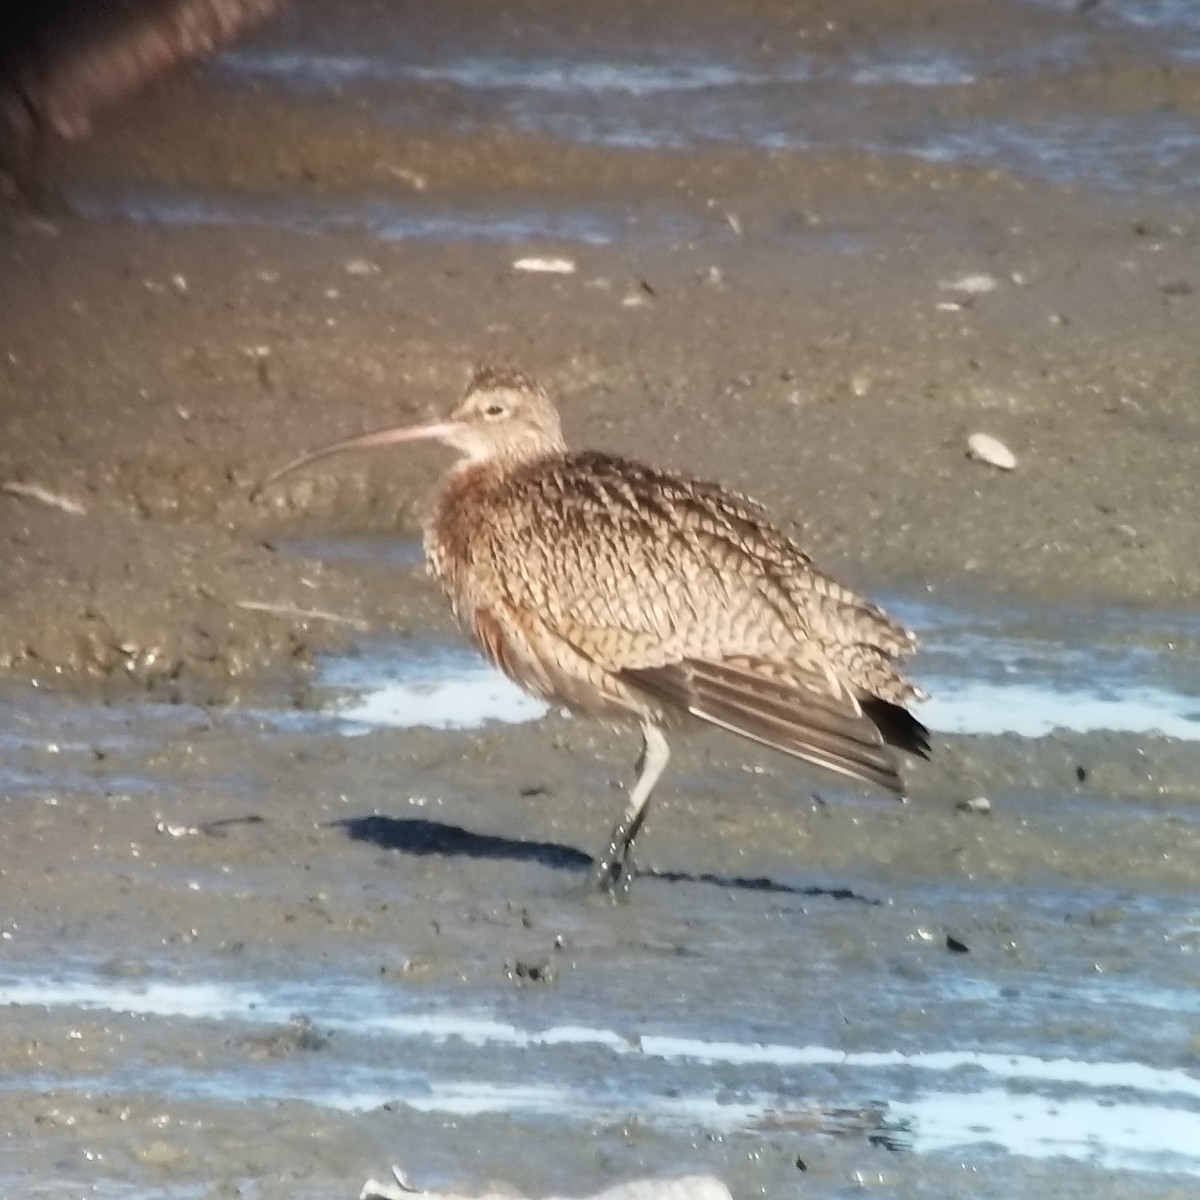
<point>265,934</point>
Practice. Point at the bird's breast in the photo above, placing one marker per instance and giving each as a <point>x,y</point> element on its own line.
<point>459,524</point>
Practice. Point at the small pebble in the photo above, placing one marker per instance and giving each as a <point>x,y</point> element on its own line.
<point>972,285</point>
<point>414,179</point>
<point>978,804</point>
<point>546,266</point>
<point>991,450</point>
<point>159,1154</point>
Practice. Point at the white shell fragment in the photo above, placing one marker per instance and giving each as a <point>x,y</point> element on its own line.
<point>972,285</point>
<point>991,450</point>
<point>977,804</point>
<point>35,491</point>
<point>688,1187</point>
<point>546,266</point>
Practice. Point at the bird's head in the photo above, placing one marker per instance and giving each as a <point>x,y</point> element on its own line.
<point>504,417</point>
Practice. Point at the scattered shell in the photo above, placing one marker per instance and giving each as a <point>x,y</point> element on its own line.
<point>977,804</point>
<point>38,225</point>
<point>361,266</point>
<point>43,495</point>
<point>860,383</point>
<point>176,831</point>
<point>991,450</point>
<point>974,285</point>
<point>546,266</point>
<point>414,179</point>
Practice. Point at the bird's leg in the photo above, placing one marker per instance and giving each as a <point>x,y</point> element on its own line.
<point>613,870</point>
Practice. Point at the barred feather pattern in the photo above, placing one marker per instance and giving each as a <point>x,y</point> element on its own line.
<point>622,590</point>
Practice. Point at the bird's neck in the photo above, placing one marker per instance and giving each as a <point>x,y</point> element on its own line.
<point>462,510</point>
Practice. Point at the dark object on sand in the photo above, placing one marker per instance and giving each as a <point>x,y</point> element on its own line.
<point>634,595</point>
<point>61,61</point>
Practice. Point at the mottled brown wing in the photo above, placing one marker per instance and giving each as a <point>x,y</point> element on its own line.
<point>639,568</point>
<point>686,595</point>
<point>804,718</point>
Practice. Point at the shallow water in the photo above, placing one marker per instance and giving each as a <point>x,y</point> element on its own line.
<point>988,671</point>
<point>1022,100</point>
<point>388,220</point>
<point>664,92</point>
<point>1004,1006</point>
<point>912,1068</point>
<point>923,1030</point>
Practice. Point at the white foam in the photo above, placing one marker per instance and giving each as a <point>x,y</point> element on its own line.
<point>1035,709</point>
<point>937,70</point>
<point>1022,1067</point>
<point>495,72</point>
<point>326,1006</point>
<point>1116,1115</point>
<point>465,700</point>
<point>460,690</point>
<point>481,1032</point>
<point>1107,1134</point>
<point>385,219</point>
<point>194,1001</point>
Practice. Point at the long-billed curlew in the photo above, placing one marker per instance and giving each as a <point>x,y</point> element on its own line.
<point>633,594</point>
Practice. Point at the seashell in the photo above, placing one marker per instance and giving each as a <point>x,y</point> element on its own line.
<point>973,285</point>
<point>977,804</point>
<point>991,450</point>
<point>546,266</point>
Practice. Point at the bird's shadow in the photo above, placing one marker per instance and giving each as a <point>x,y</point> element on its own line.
<point>421,836</point>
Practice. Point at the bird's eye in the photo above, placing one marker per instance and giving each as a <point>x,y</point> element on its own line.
<point>494,410</point>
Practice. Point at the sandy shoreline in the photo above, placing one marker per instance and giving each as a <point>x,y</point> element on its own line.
<point>792,322</point>
<point>248,955</point>
<point>152,375</point>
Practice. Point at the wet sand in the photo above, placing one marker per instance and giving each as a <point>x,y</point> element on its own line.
<point>248,263</point>
<point>784,321</point>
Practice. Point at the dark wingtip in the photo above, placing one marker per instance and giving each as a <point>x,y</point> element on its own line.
<point>898,726</point>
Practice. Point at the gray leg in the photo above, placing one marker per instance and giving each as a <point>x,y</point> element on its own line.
<point>613,870</point>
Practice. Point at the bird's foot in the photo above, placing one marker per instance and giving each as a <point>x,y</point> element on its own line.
<point>612,874</point>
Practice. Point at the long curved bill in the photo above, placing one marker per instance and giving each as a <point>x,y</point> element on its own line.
<point>364,441</point>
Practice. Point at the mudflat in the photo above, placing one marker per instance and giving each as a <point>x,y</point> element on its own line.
<point>812,251</point>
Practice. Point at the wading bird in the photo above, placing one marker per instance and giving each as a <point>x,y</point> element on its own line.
<point>636,595</point>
